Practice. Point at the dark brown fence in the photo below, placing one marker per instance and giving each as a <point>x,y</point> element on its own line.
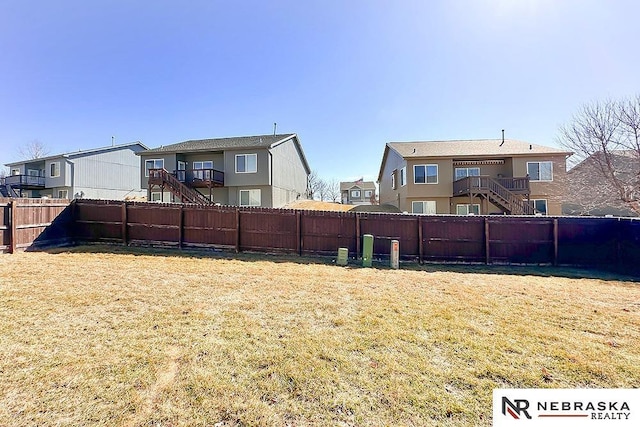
<point>584,241</point>
<point>33,223</point>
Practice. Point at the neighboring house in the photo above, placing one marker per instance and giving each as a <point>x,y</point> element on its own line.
<point>358,192</point>
<point>262,170</point>
<point>473,177</point>
<point>589,193</point>
<point>102,173</point>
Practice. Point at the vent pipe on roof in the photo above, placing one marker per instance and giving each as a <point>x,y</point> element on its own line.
<point>275,125</point>
<point>113,141</point>
<point>502,138</point>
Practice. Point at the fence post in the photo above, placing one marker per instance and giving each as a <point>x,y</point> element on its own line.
<point>181,226</point>
<point>124,223</point>
<point>299,233</point>
<point>420,246</point>
<point>357,235</point>
<point>555,241</point>
<point>12,228</point>
<point>487,246</point>
<point>237,230</point>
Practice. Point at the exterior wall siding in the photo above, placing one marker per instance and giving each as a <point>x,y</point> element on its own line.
<point>261,177</point>
<point>105,175</point>
<point>170,164</point>
<point>288,172</point>
<point>389,195</point>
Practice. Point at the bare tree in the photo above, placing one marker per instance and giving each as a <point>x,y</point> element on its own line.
<point>33,150</point>
<point>333,191</point>
<point>606,136</point>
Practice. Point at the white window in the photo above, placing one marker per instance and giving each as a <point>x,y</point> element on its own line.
<point>424,207</point>
<point>250,198</point>
<point>33,172</point>
<point>63,194</point>
<point>465,172</point>
<point>246,163</point>
<point>540,171</point>
<point>15,171</point>
<point>156,196</point>
<point>355,194</point>
<point>468,209</point>
<point>202,170</point>
<point>425,174</point>
<point>368,193</point>
<point>54,169</point>
<point>393,180</point>
<point>403,176</point>
<point>153,164</point>
<point>540,205</point>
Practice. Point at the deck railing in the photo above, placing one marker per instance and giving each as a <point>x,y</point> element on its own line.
<point>24,180</point>
<point>501,190</point>
<point>196,176</point>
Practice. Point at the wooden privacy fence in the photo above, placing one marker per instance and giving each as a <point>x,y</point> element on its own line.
<point>31,223</point>
<point>585,241</point>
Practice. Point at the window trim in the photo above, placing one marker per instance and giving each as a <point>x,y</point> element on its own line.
<point>426,166</point>
<point>468,205</point>
<point>403,176</point>
<point>245,163</point>
<point>56,166</point>
<point>393,180</point>
<point>249,191</point>
<point>539,162</point>
<point>155,192</point>
<point>456,169</point>
<point>353,196</point>
<point>17,172</point>
<point>546,206</point>
<point>424,207</point>
<point>66,194</point>
<point>368,195</point>
<point>146,169</point>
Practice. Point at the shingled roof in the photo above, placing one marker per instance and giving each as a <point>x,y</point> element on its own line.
<point>236,142</point>
<point>461,149</point>
<point>477,147</point>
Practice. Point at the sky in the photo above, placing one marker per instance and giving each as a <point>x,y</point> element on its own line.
<point>347,76</point>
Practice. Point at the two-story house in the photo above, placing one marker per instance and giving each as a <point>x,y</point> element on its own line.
<point>490,176</point>
<point>262,170</point>
<point>110,172</point>
<point>358,192</point>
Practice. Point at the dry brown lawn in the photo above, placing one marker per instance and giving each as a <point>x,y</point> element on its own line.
<point>115,337</point>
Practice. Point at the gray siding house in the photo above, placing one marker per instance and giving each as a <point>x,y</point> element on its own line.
<point>358,192</point>
<point>102,173</point>
<point>262,170</point>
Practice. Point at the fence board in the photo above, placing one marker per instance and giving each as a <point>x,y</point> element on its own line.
<point>521,240</point>
<point>324,232</point>
<point>450,238</point>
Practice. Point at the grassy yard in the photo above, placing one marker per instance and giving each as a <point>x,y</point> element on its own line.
<point>104,336</point>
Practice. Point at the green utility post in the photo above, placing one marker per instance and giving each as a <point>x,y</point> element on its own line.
<point>343,256</point>
<point>367,250</point>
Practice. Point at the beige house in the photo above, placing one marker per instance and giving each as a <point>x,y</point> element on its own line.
<point>490,176</point>
<point>358,192</point>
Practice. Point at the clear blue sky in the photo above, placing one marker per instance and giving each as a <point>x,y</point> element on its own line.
<point>347,76</point>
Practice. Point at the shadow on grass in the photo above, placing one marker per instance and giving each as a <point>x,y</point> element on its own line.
<point>512,270</point>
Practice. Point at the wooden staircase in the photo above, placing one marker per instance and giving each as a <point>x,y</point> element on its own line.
<point>509,200</point>
<point>6,190</point>
<point>167,181</point>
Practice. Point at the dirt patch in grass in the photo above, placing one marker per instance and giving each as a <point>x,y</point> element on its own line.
<point>134,338</point>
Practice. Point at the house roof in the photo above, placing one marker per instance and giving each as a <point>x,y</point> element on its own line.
<point>477,147</point>
<point>236,142</point>
<point>80,153</point>
<point>364,185</point>
<point>462,149</point>
<point>231,143</point>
